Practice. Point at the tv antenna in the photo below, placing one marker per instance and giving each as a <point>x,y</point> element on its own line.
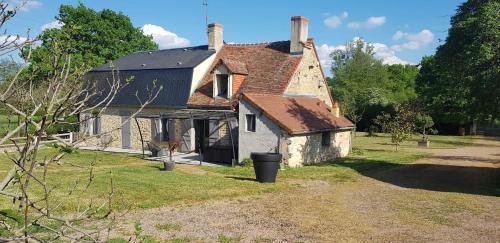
<point>205,8</point>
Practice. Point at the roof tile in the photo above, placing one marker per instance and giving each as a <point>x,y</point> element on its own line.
<point>298,114</point>
<point>269,66</point>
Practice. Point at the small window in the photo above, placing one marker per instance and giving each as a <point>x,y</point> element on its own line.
<point>250,119</point>
<point>96,126</point>
<point>325,139</point>
<point>164,126</point>
<point>222,85</point>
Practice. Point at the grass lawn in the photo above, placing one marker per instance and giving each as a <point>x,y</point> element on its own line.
<point>140,183</point>
<point>369,153</point>
<point>335,192</point>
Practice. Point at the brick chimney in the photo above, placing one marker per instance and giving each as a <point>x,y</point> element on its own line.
<point>215,36</point>
<point>299,34</point>
<point>335,109</point>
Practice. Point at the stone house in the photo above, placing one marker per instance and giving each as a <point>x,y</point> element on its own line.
<point>238,99</point>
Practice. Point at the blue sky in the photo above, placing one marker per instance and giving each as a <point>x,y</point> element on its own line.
<point>402,31</point>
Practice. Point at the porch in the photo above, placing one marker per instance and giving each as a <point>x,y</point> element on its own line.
<point>178,157</point>
<point>204,135</point>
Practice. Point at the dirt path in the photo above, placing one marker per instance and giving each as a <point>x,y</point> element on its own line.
<point>446,197</point>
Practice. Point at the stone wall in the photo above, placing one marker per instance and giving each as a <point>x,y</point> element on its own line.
<point>308,78</point>
<point>111,122</point>
<point>135,138</point>
<point>307,149</point>
<point>224,136</point>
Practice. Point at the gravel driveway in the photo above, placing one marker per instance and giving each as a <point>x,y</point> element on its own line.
<point>442,198</point>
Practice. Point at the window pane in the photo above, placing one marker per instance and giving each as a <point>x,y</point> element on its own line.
<point>250,123</point>
<point>96,125</point>
<point>325,139</point>
<point>164,127</point>
<point>222,85</point>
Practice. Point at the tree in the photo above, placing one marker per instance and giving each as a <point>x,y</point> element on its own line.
<point>422,123</point>
<point>8,68</point>
<point>400,124</point>
<point>35,215</point>
<point>359,79</point>
<point>461,80</point>
<point>91,37</point>
<point>402,82</point>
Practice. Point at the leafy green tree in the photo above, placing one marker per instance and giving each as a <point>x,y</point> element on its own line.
<point>423,123</point>
<point>8,68</point>
<point>402,82</point>
<point>359,79</point>
<point>461,82</point>
<point>400,125</point>
<point>92,38</point>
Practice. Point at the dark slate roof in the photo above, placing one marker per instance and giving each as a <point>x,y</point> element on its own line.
<point>176,86</point>
<point>187,57</point>
<point>172,69</point>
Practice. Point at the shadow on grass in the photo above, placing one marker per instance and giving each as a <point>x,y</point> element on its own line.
<point>433,177</point>
<point>240,178</point>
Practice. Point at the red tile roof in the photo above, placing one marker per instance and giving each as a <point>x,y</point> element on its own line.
<point>235,66</point>
<point>298,114</point>
<point>269,66</point>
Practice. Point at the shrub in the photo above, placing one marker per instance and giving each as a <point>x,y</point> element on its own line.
<point>247,162</point>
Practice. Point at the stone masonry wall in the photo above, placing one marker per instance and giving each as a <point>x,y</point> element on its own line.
<point>308,78</point>
<point>111,121</point>
<point>307,149</point>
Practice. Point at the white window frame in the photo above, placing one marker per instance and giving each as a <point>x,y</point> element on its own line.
<point>222,70</point>
<point>254,118</point>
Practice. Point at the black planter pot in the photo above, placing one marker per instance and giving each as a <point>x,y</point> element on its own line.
<point>266,166</point>
<point>168,166</point>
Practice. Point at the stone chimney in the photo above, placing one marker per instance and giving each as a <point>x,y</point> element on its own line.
<point>215,36</point>
<point>299,34</point>
<point>335,109</point>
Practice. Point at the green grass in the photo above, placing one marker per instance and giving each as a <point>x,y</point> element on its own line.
<point>369,153</point>
<point>168,227</point>
<point>137,183</point>
<point>140,183</point>
<point>221,238</point>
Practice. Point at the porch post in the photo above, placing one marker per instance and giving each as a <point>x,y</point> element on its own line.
<point>231,137</point>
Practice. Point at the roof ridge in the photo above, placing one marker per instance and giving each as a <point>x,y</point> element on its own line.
<point>171,49</point>
<point>255,44</point>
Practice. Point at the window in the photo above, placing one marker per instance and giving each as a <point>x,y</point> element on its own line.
<point>85,128</point>
<point>96,126</point>
<point>164,128</point>
<point>325,139</point>
<point>250,120</point>
<point>222,85</point>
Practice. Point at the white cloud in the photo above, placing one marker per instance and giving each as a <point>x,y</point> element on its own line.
<point>414,41</point>
<point>386,54</point>
<point>164,38</point>
<point>25,6</point>
<point>56,24</point>
<point>13,41</point>
<point>335,21</point>
<point>398,35</point>
<point>370,23</point>
<point>324,52</point>
<point>382,52</point>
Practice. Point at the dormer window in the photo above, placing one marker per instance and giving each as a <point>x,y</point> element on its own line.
<point>222,85</point>
<point>228,75</point>
<point>222,82</point>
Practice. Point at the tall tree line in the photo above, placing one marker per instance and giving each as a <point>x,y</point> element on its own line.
<point>458,85</point>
